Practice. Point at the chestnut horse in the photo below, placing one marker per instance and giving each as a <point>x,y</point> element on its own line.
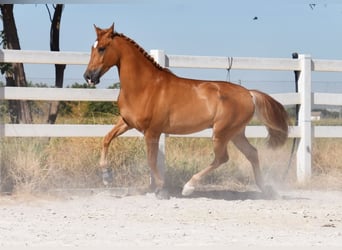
<point>153,100</point>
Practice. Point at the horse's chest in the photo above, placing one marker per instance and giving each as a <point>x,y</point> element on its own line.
<point>135,118</point>
<point>138,112</point>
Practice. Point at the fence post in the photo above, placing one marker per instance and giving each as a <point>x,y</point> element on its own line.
<point>159,57</point>
<point>304,120</point>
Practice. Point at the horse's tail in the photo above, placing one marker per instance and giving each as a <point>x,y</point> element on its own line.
<point>273,115</point>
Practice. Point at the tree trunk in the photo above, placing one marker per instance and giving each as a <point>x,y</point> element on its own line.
<point>59,68</point>
<point>19,110</point>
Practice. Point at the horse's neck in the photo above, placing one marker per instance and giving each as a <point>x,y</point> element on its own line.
<point>135,70</point>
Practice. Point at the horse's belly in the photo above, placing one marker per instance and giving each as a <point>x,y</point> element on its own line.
<point>187,126</point>
<point>184,130</point>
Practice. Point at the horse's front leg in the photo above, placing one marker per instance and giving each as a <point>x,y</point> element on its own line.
<point>152,144</point>
<point>119,128</point>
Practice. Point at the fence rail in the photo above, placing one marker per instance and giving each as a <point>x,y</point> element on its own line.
<point>305,98</point>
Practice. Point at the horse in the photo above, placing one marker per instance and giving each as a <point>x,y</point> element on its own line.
<point>154,100</point>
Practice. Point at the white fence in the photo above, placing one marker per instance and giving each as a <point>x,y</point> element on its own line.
<point>304,64</point>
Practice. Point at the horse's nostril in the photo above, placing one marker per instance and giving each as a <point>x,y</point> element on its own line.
<point>86,76</point>
<point>92,77</point>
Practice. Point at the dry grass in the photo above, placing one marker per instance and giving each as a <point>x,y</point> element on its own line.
<point>34,165</point>
<point>327,164</point>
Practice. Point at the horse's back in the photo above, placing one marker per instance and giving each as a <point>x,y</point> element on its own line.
<point>194,105</point>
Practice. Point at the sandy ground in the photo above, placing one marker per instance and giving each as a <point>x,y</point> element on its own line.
<point>298,218</point>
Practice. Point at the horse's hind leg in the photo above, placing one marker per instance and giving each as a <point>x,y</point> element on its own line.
<point>118,129</point>
<point>221,156</point>
<point>241,142</point>
<point>251,154</point>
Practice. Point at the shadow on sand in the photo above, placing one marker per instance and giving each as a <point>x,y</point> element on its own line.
<point>225,195</point>
<point>210,193</point>
<point>231,195</point>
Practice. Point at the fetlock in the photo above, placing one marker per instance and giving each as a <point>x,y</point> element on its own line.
<point>107,176</point>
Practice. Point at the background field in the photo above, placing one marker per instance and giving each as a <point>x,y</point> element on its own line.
<point>37,165</point>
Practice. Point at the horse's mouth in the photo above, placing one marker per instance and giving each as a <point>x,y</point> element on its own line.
<point>92,78</point>
<point>91,83</point>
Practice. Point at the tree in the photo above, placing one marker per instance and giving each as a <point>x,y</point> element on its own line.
<point>19,110</point>
<point>59,68</point>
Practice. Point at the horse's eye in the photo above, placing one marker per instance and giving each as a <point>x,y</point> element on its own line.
<point>101,49</point>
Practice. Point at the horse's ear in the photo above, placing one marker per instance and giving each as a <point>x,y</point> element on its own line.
<point>112,27</point>
<point>97,30</point>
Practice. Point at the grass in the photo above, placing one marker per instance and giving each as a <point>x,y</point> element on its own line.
<point>35,165</point>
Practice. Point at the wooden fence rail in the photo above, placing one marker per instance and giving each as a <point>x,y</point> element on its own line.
<point>305,131</point>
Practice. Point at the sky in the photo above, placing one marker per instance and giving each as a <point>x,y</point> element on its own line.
<point>245,28</point>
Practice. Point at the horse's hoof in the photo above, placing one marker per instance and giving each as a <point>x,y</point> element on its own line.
<point>107,176</point>
<point>162,194</point>
<point>188,189</point>
<point>270,193</point>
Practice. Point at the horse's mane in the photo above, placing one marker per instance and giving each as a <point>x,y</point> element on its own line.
<point>147,55</point>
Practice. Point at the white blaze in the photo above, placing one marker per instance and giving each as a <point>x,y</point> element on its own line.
<point>95,44</point>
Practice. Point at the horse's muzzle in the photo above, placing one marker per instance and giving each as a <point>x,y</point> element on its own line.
<point>92,77</point>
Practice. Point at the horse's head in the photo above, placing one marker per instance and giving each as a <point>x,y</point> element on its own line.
<point>101,58</point>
